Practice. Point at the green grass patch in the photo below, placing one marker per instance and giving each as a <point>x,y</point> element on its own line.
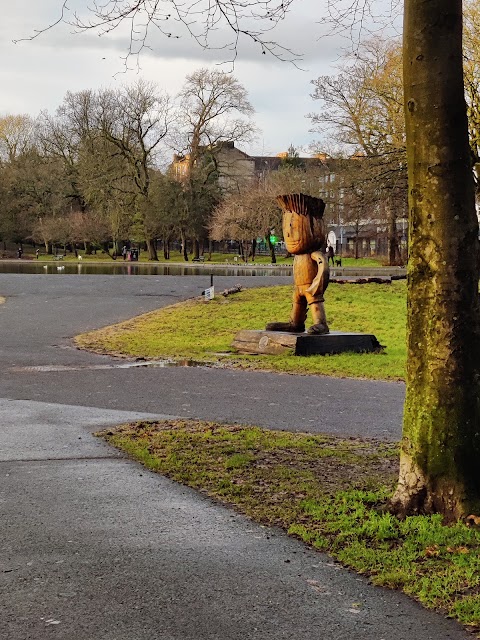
<point>327,491</point>
<point>203,331</point>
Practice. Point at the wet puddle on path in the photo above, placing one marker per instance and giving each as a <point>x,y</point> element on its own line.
<point>53,368</point>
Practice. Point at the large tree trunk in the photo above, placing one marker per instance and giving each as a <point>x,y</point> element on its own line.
<point>196,249</point>
<point>152,249</point>
<point>440,452</point>
<point>166,248</point>
<point>106,249</point>
<point>253,250</point>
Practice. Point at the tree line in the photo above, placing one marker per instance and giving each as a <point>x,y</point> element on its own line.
<point>98,172</point>
<point>92,173</point>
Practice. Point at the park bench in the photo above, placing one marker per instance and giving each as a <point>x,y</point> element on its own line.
<point>58,257</point>
<point>199,259</point>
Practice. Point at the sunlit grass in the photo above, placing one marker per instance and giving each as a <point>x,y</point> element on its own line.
<point>204,331</point>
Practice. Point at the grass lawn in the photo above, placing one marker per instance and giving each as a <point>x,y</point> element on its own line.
<point>203,331</point>
<point>326,491</point>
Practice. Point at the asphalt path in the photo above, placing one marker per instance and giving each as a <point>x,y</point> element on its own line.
<point>92,546</point>
<point>42,313</point>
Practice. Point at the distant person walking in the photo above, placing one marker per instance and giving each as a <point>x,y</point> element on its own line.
<point>330,254</point>
<point>124,252</point>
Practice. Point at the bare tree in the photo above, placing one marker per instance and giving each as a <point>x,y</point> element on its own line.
<point>110,140</point>
<point>214,112</point>
<point>243,217</point>
<point>252,211</point>
<point>88,228</point>
<point>17,136</point>
<point>294,179</point>
<point>214,107</point>
<point>46,231</point>
<point>134,120</point>
<point>363,110</point>
<point>229,21</point>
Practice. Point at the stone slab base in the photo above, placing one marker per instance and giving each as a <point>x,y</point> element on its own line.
<point>303,344</point>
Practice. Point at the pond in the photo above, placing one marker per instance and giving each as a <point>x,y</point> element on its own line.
<point>138,269</point>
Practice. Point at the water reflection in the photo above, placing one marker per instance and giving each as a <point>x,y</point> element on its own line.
<point>60,368</point>
<point>138,269</point>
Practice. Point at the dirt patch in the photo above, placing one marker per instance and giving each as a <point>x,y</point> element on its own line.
<point>330,463</point>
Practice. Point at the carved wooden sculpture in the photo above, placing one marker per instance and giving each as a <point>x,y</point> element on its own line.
<point>305,237</point>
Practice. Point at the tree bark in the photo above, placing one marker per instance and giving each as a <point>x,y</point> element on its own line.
<point>196,249</point>
<point>393,249</point>
<point>106,249</point>
<point>184,245</point>
<point>166,248</point>
<point>440,451</point>
<point>152,249</point>
<point>253,250</point>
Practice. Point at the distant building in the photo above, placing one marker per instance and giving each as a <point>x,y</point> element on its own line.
<point>367,236</point>
<point>233,166</point>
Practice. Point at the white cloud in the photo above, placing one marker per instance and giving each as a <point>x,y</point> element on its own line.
<point>36,74</point>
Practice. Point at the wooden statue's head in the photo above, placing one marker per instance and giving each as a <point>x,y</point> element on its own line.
<point>303,224</point>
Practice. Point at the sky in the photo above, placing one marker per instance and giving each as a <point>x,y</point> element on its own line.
<point>36,74</point>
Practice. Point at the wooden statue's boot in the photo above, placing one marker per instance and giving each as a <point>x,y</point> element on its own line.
<point>319,318</point>
<point>297,320</point>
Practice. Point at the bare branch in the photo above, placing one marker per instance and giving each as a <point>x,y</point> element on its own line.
<point>38,32</point>
<point>213,24</point>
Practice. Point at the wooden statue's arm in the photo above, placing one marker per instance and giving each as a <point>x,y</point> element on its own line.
<point>320,282</point>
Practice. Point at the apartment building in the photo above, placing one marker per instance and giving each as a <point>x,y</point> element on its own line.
<point>353,232</point>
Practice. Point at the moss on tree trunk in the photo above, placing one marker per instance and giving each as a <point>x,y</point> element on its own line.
<point>440,456</point>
